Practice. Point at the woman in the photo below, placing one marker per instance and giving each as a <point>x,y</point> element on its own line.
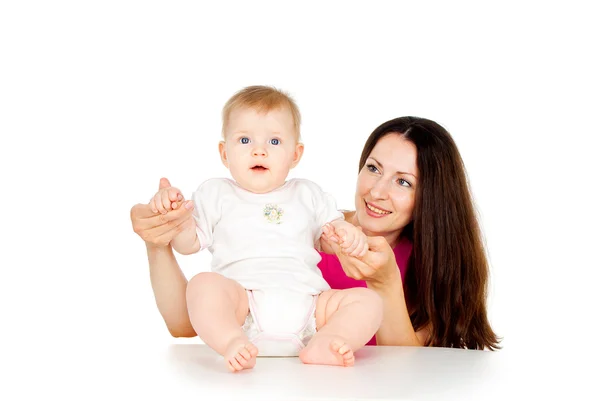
<point>426,257</point>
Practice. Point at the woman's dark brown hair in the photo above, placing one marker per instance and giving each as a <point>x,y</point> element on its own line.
<point>447,275</point>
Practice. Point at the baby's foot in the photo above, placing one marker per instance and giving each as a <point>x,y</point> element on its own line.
<point>343,349</point>
<point>327,350</point>
<point>240,354</point>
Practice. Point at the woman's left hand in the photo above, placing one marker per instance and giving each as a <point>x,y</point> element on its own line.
<point>377,267</point>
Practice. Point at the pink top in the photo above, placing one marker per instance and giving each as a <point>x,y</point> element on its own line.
<point>334,274</point>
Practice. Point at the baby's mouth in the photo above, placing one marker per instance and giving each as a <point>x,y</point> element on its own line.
<point>259,168</point>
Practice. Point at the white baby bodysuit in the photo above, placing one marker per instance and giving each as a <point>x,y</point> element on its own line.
<point>265,240</point>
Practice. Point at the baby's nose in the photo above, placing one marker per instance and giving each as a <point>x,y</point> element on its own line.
<point>259,152</point>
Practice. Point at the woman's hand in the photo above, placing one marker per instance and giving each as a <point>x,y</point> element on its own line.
<point>377,267</point>
<point>158,229</point>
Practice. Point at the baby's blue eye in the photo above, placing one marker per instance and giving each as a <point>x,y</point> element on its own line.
<point>274,141</point>
<point>245,140</point>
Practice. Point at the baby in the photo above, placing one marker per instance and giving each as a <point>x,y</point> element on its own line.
<point>265,295</point>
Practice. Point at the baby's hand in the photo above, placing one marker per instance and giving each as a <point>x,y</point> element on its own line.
<point>166,199</point>
<point>350,238</point>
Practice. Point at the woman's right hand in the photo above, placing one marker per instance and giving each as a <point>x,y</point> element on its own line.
<point>158,229</point>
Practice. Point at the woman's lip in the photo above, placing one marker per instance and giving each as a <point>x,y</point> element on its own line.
<point>372,213</point>
<point>377,207</point>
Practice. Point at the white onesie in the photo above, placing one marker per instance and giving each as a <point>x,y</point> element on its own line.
<point>266,242</point>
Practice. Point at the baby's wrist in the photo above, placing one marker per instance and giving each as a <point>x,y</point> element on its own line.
<point>185,241</point>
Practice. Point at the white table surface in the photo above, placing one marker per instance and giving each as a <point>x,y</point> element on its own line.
<point>136,370</point>
<point>380,373</point>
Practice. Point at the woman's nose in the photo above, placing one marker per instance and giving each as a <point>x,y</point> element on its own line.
<point>380,190</point>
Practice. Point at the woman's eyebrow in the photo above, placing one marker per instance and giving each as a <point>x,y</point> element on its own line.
<point>397,172</point>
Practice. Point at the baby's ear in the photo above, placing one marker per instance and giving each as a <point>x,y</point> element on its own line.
<point>223,154</point>
<point>298,152</point>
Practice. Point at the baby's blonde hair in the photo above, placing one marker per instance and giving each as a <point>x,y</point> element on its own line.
<point>262,99</point>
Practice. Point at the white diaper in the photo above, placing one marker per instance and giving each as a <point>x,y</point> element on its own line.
<point>280,322</point>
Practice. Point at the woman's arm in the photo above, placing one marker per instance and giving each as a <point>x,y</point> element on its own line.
<point>396,327</point>
<point>168,281</point>
<point>169,286</point>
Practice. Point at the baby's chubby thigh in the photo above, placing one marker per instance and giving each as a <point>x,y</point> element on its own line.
<point>210,291</point>
<point>353,303</point>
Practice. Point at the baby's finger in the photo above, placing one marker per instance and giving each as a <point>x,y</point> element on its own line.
<point>359,251</point>
<point>355,252</point>
<point>354,245</point>
<point>361,241</point>
<point>329,241</point>
<point>165,200</point>
<point>174,194</point>
<point>152,206</point>
<point>343,237</point>
<point>329,233</point>
<point>364,250</point>
<point>158,202</point>
<point>350,241</point>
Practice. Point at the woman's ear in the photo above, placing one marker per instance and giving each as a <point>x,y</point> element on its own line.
<point>223,154</point>
<point>298,154</point>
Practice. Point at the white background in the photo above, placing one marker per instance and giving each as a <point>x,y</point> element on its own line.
<point>98,100</point>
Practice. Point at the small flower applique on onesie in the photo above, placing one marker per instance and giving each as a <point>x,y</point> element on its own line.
<point>273,213</point>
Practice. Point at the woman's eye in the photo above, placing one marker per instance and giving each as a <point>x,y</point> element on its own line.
<point>371,168</point>
<point>245,140</point>
<point>403,182</point>
<point>275,141</point>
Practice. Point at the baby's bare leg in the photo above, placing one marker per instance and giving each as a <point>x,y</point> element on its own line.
<point>346,321</point>
<point>218,307</point>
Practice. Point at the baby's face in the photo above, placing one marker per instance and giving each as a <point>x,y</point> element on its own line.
<point>260,148</point>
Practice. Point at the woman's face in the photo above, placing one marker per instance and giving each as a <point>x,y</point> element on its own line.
<point>386,187</point>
